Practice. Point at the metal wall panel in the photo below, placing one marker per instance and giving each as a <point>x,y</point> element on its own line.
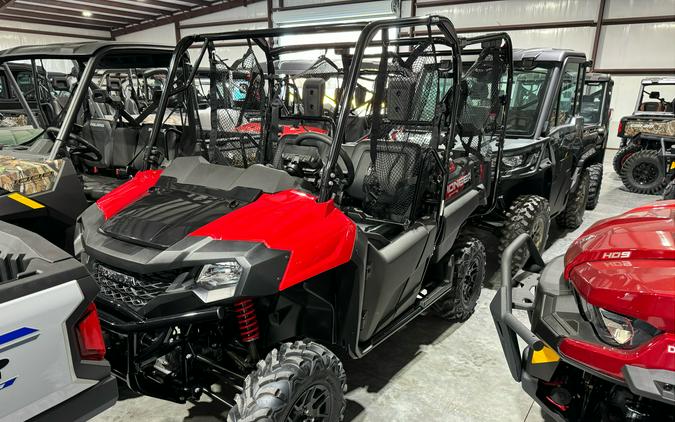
<point>638,8</point>
<point>637,46</point>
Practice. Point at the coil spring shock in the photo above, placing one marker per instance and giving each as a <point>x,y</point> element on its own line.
<point>248,322</point>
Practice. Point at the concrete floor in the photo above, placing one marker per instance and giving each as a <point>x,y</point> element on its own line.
<point>429,371</point>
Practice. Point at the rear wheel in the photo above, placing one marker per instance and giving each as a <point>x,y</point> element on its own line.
<point>299,382</point>
<point>529,214</point>
<point>595,171</point>
<point>669,191</point>
<point>644,173</point>
<point>469,274</point>
<point>622,155</point>
<point>573,215</point>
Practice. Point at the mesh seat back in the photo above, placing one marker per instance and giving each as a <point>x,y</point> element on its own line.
<point>391,183</point>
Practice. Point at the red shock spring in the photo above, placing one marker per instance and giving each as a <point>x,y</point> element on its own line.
<point>248,322</point>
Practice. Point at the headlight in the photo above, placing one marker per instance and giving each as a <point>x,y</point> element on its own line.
<point>616,329</point>
<point>220,274</point>
<point>520,161</point>
<point>514,160</point>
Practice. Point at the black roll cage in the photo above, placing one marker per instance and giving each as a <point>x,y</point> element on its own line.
<point>445,34</point>
<point>260,38</point>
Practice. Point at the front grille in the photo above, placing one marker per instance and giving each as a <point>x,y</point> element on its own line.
<point>134,290</point>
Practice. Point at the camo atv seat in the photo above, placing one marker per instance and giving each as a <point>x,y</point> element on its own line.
<point>27,177</point>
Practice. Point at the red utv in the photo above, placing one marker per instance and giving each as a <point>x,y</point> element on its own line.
<point>231,271</point>
<point>601,346</point>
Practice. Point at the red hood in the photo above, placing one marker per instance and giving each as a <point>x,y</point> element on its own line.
<point>626,264</point>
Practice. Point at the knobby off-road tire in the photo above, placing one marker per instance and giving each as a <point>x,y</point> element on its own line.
<point>669,191</point>
<point>595,171</point>
<point>573,215</point>
<point>622,155</point>
<point>299,381</point>
<point>469,273</point>
<point>529,214</point>
<point>644,173</point>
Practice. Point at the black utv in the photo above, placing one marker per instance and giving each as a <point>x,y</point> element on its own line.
<point>552,159</point>
<point>234,270</point>
<point>646,137</point>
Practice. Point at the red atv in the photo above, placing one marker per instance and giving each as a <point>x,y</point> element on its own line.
<point>235,281</point>
<point>601,346</point>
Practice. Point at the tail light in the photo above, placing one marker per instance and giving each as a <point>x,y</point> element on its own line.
<point>620,131</point>
<point>89,335</point>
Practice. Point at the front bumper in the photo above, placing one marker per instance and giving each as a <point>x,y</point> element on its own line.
<point>85,405</point>
<point>135,343</point>
<point>555,317</point>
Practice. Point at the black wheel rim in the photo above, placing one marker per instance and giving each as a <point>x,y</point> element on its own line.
<point>645,173</point>
<point>470,282</point>
<point>313,405</point>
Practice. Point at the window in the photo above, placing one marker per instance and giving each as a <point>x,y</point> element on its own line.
<point>657,98</point>
<point>568,96</point>
<point>591,102</point>
<point>527,97</point>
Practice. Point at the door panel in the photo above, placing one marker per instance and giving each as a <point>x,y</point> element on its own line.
<point>392,273</point>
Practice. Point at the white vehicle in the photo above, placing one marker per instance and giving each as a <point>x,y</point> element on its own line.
<point>52,364</point>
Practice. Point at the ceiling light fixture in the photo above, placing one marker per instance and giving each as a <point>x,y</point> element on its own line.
<point>86,13</point>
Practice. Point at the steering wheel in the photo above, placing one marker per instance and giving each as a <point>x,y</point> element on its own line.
<point>323,143</point>
<point>83,148</point>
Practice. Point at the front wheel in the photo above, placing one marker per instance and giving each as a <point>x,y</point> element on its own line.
<point>469,273</point>
<point>300,381</point>
<point>529,214</point>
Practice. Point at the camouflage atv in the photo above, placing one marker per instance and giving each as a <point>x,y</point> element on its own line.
<point>644,135</point>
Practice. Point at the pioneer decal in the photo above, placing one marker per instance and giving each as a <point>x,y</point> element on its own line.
<point>456,186</point>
